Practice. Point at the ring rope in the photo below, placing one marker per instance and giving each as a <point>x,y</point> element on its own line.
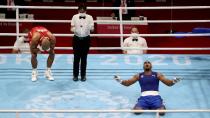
<point>117,35</point>
<point>109,21</point>
<point>102,111</point>
<point>108,8</point>
<point>119,48</point>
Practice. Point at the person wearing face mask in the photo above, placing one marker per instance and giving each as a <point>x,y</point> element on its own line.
<point>81,25</point>
<point>21,45</point>
<point>135,41</point>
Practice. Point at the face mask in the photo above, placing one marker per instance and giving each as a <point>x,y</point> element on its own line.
<point>82,14</point>
<point>134,35</point>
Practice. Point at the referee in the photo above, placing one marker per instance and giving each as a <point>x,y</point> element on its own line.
<point>81,25</point>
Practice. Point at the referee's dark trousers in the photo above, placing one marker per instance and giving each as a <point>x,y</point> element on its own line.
<point>81,47</point>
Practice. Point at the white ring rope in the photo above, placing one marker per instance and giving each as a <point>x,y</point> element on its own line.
<point>109,21</point>
<point>117,35</point>
<point>120,48</point>
<point>108,8</point>
<point>17,20</point>
<point>103,111</point>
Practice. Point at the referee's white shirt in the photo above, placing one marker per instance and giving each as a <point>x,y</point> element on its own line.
<point>82,26</point>
<point>141,43</point>
<point>21,45</point>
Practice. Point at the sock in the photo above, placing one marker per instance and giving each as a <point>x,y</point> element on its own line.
<point>34,69</point>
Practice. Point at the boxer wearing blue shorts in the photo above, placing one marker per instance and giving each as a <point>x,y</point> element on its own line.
<point>149,83</point>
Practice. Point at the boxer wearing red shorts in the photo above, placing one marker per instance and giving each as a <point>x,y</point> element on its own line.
<point>41,36</point>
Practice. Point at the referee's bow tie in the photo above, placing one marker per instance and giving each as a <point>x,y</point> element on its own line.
<point>81,17</point>
<point>135,39</point>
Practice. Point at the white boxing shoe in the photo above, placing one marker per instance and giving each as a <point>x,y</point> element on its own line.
<point>34,75</point>
<point>48,75</point>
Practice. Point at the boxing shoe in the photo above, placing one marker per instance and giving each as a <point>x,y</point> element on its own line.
<point>48,75</point>
<point>34,75</point>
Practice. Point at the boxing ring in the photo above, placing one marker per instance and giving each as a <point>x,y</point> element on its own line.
<point>101,93</point>
<point>101,96</point>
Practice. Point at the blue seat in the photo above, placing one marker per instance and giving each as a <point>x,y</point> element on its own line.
<point>201,30</point>
<point>180,33</point>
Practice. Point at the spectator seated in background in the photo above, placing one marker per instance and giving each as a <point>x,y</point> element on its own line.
<point>135,41</point>
<point>22,44</point>
<point>126,14</point>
